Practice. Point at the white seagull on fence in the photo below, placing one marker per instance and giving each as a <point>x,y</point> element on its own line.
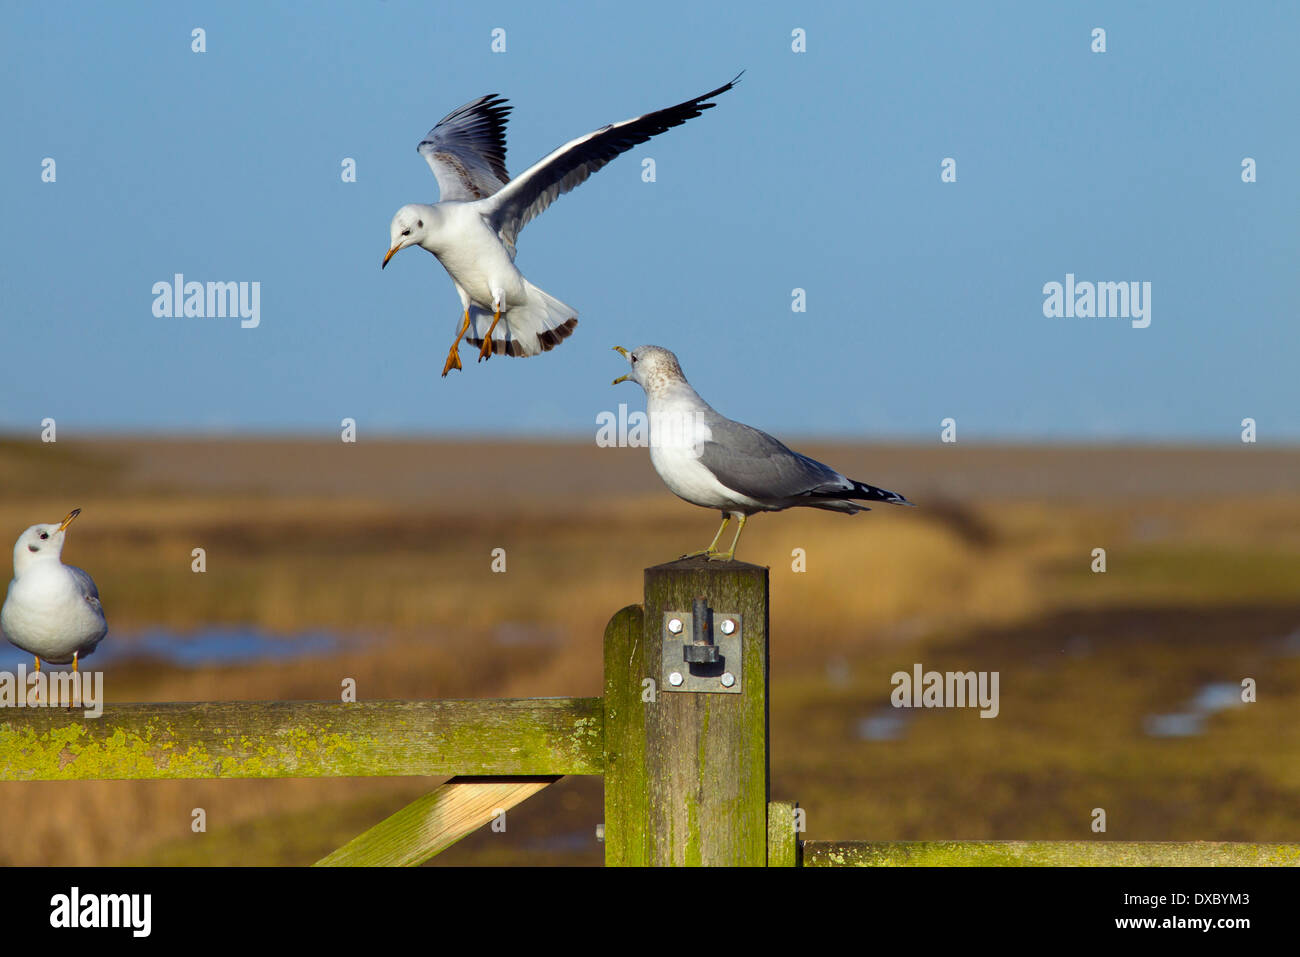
<point>473,229</point>
<point>711,461</point>
<point>52,610</point>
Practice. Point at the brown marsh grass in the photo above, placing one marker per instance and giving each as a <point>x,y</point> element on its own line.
<point>389,544</point>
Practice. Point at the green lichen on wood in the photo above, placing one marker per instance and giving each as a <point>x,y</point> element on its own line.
<point>305,739</point>
<point>705,754</point>
<point>1048,854</point>
<point>73,752</point>
<point>627,839</point>
<point>782,841</point>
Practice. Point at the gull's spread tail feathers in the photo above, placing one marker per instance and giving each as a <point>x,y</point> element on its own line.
<point>538,326</point>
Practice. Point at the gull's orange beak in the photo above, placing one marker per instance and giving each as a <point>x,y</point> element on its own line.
<point>623,378</point>
<point>390,255</point>
<point>68,520</point>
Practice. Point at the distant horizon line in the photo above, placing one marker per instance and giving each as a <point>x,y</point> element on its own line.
<point>7,436</point>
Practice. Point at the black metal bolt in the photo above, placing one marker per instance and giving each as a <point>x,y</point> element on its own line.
<point>701,650</point>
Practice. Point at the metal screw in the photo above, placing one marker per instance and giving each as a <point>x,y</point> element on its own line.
<point>675,626</point>
<point>600,832</point>
<point>728,679</point>
<point>728,626</point>
<point>675,678</point>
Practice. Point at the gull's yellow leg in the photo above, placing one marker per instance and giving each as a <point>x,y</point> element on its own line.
<point>76,685</point>
<point>38,687</point>
<point>453,357</point>
<point>713,544</point>
<point>740,527</point>
<point>486,350</point>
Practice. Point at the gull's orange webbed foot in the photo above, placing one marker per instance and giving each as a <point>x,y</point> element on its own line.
<point>453,357</point>
<point>486,351</point>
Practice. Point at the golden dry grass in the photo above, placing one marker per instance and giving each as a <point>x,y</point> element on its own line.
<point>389,544</point>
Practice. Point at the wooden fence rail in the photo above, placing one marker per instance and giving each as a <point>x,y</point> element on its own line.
<point>680,736</point>
<point>1047,854</point>
<point>304,739</point>
<point>435,822</point>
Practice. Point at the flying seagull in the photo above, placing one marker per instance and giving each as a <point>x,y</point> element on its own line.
<point>52,610</point>
<point>473,229</point>
<point>711,461</point>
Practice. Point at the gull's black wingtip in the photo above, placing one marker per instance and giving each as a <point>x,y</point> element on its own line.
<point>897,499</point>
<point>719,91</point>
<point>871,493</point>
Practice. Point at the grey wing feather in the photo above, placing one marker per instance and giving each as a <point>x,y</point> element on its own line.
<point>754,464</point>
<point>86,584</point>
<point>467,150</point>
<point>529,193</point>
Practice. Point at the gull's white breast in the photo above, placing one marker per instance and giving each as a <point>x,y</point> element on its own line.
<point>677,434</point>
<point>475,257</point>
<point>46,614</point>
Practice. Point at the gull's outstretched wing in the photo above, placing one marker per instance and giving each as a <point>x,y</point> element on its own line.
<point>467,149</point>
<point>529,193</point>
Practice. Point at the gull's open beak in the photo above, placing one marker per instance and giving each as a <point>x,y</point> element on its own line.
<point>68,520</point>
<point>623,378</point>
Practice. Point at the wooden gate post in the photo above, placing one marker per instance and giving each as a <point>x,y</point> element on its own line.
<point>686,771</point>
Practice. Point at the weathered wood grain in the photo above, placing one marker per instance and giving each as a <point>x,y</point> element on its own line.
<point>706,755</point>
<point>435,822</point>
<point>259,739</point>
<point>1047,854</point>
<point>782,841</point>
<point>627,838</point>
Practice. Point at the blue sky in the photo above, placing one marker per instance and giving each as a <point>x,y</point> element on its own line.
<point>821,171</point>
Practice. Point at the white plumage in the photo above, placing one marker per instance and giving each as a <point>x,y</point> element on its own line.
<point>715,462</point>
<point>52,610</point>
<point>474,228</point>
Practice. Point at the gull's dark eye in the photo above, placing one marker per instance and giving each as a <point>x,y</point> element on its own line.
<point>406,232</point>
<point>634,358</point>
<point>44,535</point>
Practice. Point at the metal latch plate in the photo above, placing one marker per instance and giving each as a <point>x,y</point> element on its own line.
<point>701,678</point>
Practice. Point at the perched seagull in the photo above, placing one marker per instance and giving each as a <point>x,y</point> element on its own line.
<point>711,461</point>
<point>473,229</point>
<point>52,610</point>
